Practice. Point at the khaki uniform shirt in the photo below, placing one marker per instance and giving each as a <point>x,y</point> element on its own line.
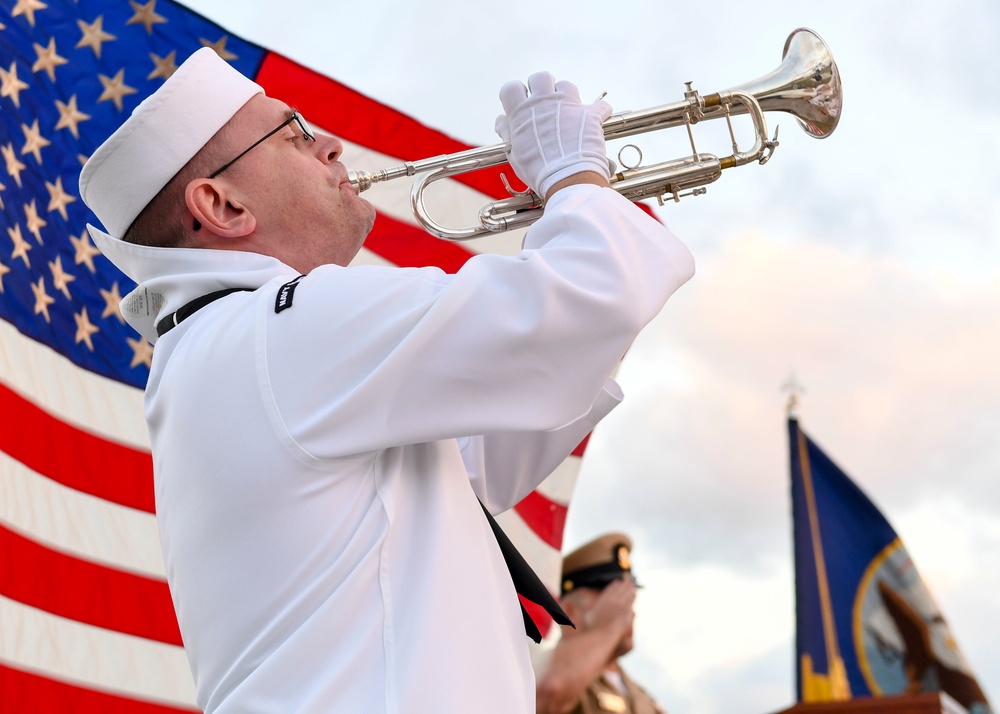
<point>603,696</point>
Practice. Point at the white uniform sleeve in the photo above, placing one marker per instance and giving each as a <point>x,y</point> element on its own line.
<point>525,459</point>
<point>507,344</point>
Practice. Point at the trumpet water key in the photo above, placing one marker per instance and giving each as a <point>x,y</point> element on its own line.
<point>806,85</point>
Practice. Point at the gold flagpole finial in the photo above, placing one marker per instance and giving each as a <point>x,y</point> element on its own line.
<point>794,388</point>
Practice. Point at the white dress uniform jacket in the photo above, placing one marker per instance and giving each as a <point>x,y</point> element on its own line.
<point>317,469</point>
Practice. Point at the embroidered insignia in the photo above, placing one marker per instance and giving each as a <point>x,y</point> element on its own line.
<point>285,294</point>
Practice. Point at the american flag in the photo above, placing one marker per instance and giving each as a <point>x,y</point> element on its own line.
<point>86,621</point>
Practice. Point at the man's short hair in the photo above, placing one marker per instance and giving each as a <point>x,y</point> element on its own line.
<point>165,222</point>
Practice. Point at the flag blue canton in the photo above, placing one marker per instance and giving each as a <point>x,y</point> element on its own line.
<point>70,74</point>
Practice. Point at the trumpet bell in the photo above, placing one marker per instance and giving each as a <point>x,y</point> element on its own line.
<point>806,84</point>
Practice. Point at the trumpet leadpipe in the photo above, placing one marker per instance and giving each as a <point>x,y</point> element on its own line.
<point>457,163</point>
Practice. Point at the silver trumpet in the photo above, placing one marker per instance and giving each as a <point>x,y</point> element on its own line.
<point>806,84</point>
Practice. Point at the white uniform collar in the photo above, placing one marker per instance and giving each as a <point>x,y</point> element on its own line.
<point>169,278</point>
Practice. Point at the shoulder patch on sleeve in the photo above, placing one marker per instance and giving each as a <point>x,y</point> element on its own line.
<point>286,292</point>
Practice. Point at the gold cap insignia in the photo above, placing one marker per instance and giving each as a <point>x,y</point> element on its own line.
<point>624,561</point>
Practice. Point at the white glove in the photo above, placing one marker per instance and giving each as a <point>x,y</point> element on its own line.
<point>552,134</point>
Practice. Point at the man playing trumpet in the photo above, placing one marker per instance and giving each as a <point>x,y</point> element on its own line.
<point>322,434</point>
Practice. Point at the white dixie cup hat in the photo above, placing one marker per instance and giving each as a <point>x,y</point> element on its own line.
<point>163,133</point>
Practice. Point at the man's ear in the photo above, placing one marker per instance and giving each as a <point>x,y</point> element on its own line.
<point>216,210</point>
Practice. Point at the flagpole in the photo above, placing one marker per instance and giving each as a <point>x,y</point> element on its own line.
<point>816,686</point>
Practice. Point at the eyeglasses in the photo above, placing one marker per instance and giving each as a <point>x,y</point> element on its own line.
<point>307,134</point>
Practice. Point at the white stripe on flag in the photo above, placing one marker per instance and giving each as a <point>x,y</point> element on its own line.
<point>86,400</point>
<point>92,657</point>
<point>76,523</point>
<point>559,485</point>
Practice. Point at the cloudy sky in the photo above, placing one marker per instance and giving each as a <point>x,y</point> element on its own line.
<point>868,264</point>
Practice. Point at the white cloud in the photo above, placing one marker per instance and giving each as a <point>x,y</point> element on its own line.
<point>902,392</point>
<point>699,630</point>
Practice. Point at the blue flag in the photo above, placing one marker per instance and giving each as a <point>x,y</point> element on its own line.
<point>866,625</point>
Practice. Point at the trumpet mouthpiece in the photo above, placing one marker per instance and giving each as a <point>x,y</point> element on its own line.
<point>361,180</point>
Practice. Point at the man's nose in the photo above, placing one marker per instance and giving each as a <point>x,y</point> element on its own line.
<point>329,148</point>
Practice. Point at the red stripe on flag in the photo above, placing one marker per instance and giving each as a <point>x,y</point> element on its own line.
<point>86,592</point>
<point>582,446</point>
<point>73,457</point>
<point>27,693</point>
<point>411,247</point>
<point>545,517</point>
<point>361,120</point>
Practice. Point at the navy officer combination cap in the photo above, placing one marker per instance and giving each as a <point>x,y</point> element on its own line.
<point>598,563</point>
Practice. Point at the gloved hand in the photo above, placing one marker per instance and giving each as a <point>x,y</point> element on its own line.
<point>552,134</point>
